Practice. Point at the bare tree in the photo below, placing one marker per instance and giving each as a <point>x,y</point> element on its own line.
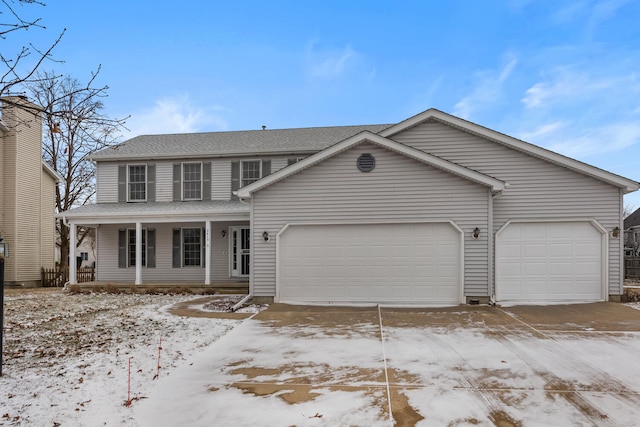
<point>20,61</point>
<point>627,210</point>
<point>74,128</point>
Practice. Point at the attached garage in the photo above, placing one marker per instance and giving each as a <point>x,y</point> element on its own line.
<point>550,262</point>
<point>401,263</point>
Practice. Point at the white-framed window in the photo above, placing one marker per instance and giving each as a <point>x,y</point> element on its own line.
<point>84,256</point>
<point>250,171</point>
<point>137,183</point>
<point>191,247</point>
<point>192,181</point>
<point>131,247</point>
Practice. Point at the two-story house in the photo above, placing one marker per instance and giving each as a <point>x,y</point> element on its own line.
<point>431,210</point>
<point>27,193</point>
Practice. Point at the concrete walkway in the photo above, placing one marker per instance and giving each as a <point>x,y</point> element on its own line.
<point>467,365</point>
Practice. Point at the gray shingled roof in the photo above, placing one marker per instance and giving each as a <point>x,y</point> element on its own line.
<point>302,140</point>
<point>632,220</point>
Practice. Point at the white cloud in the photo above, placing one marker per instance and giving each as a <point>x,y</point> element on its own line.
<point>488,90</point>
<point>543,130</point>
<point>175,115</point>
<point>330,63</point>
<point>596,140</point>
<point>602,11</point>
<point>564,85</point>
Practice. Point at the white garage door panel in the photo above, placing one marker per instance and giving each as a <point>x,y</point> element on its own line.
<point>381,263</point>
<point>549,261</point>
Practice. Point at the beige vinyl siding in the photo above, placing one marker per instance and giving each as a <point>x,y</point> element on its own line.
<point>107,182</point>
<point>47,221</point>
<point>8,207</point>
<point>3,134</point>
<point>537,188</point>
<point>220,179</point>
<point>22,200</point>
<point>108,249</point>
<point>399,189</point>
<point>164,181</point>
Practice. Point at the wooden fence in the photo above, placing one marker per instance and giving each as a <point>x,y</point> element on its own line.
<point>632,267</point>
<point>52,277</point>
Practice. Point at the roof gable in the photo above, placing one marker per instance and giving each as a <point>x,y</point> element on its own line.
<point>437,162</point>
<point>466,126</point>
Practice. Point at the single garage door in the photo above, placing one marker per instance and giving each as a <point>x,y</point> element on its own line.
<point>549,261</point>
<point>370,263</point>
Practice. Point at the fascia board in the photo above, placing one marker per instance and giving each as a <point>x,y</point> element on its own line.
<point>177,157</point>
<point>626,184</point>
<point>496,185</point>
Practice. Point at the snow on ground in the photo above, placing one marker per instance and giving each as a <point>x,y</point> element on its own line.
<point>66,356</point>
<point>332,375</point>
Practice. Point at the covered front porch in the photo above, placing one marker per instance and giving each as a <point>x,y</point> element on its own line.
<point>166,243</point>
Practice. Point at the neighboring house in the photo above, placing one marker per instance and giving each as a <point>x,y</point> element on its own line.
<point>27,193</point>
<point>632,234</point>
<point>432,210</point>
<point>85,252</point>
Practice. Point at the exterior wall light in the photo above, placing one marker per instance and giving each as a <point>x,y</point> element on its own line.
<point>223,234</point>
<point>265,236</point>
<point>616,232</point>
<point>476,233</point>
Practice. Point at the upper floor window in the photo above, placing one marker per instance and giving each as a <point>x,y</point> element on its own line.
<point>137,183</point>
<point>191,181</point>
<point>250,171</point>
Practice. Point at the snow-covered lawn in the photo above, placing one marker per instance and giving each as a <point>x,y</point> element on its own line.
<point>66,356</point>
<point>66,362</point>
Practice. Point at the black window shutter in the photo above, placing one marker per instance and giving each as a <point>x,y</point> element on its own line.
<point>122,248</point>
<point>235,179</point>
<point>122,183</point>
<point>177,262</point>
<point>266,168</point>
<point>151,183</point>
<point>151,248</point>
<point>206,181</point>
<point>177,180</point>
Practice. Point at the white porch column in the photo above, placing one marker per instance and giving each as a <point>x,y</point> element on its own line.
<point>73,268</point>
<point>207,252</point>
<point>138,253</point>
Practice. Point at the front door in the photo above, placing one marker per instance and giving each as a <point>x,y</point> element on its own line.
<point>240,251</point>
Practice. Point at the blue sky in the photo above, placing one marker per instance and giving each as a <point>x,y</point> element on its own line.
<point>564,75</point>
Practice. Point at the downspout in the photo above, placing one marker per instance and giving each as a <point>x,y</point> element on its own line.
<point>244,300</point>
<point>490,246</point>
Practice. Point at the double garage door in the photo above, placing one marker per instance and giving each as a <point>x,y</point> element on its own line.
<point>370,263</point>
<point>549,261</point>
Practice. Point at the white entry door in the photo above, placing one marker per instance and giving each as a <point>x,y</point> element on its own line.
<point>240,251</point>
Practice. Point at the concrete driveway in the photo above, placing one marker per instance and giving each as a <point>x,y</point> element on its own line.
<point>459,366</point>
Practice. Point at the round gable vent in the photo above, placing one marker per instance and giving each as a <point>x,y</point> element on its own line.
<point>366,162</point>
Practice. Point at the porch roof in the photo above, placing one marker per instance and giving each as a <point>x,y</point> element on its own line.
<point>114,213</point>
